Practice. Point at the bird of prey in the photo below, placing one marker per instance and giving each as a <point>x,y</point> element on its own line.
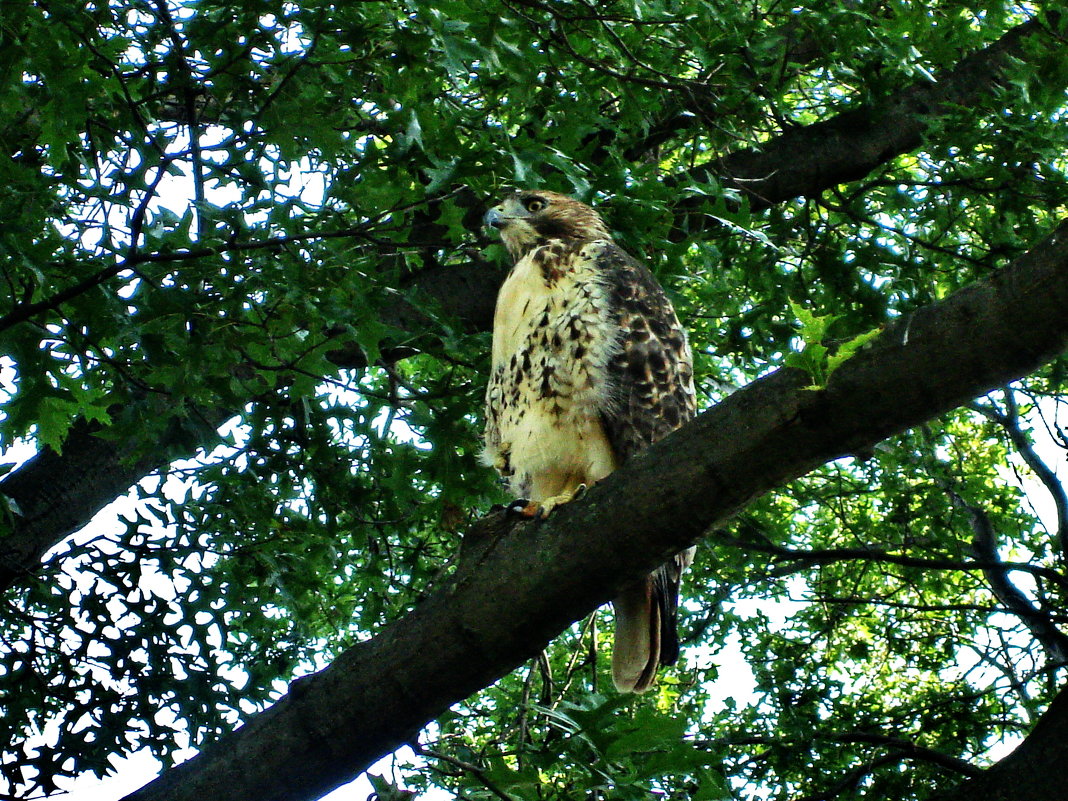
<point>589,366</point>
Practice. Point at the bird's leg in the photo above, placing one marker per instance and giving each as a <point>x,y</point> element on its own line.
<point>542,509</point>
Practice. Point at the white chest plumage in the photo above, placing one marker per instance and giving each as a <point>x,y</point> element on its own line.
<point>552,339</point>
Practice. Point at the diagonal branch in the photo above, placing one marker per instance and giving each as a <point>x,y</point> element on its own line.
<point>380,693</point>
<point>807,160</point>
<point>54,495</point>
<point>984,542</point>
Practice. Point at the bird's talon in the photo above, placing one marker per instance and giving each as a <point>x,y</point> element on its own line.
<point>524,508</point>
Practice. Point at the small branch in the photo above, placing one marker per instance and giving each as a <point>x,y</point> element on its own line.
<point>853,778</point>
<point>524,712</point>
<point>910,750</point>
<point>189,96</point>
<point>1052,639</point>
<point>1010,422</point>
<point>573,662</point>
<point>27,311</point>
<point>901,749</point>
<point>829,555</point>
<point>546,671</point>
<point>867,600</point>
<point>467,767</point>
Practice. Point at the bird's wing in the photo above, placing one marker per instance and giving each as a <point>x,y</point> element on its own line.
<point>651,374</point>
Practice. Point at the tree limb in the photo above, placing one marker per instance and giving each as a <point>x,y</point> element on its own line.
<point>380,693</point>
<point>1010,421</point>
<point>807,160</point>
<point>1033,772</point>
<point>53,495</point>
<point>984,542</point>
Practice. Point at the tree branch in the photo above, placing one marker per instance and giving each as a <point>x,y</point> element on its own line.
<point>831,555</point>
<point>378,694</point>
<point>53,495</point>
<point>1010,421</point>
<point>807,160</point>
<point>984,542</point>
<point>467,767</point>
<point>905,749</point>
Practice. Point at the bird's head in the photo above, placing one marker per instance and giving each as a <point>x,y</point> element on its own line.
<point>528,218</point>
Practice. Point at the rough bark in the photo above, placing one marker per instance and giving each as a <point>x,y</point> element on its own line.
<point>378,694</point>
<point>802,161</point>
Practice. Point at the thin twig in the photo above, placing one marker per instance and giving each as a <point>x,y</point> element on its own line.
<point>474,770</point>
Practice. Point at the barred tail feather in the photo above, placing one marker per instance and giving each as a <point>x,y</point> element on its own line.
<point>636,650</point>
<point>647,627</point>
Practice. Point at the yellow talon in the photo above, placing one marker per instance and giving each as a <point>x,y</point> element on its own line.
<point>542,509</point>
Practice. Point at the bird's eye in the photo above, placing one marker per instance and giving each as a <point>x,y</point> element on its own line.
<point>536,204</point>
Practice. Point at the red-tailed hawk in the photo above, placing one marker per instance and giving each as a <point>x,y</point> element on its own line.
<point>590,365</point>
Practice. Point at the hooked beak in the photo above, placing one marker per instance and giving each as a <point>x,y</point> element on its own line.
<point>495,219</point>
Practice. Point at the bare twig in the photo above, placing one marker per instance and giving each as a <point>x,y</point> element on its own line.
<point>828,555</point>
<point>467,767</point>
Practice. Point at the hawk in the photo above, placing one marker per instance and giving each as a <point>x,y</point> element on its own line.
<point>589,366</point>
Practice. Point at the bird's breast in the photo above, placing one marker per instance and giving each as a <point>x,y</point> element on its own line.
<point>553,337</point>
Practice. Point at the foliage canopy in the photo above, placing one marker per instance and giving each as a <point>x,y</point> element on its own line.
<point>241,245</point>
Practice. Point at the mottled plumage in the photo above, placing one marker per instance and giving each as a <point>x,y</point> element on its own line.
<point>590,365</point>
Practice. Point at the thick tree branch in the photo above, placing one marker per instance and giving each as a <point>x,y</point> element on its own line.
<point>516,587</point>
<point>801,161</point>
<point>53,495</point>
<point>807,160</point>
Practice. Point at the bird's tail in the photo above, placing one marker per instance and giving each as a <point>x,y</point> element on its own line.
<point>646,630</point>
<point>636,650</point>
